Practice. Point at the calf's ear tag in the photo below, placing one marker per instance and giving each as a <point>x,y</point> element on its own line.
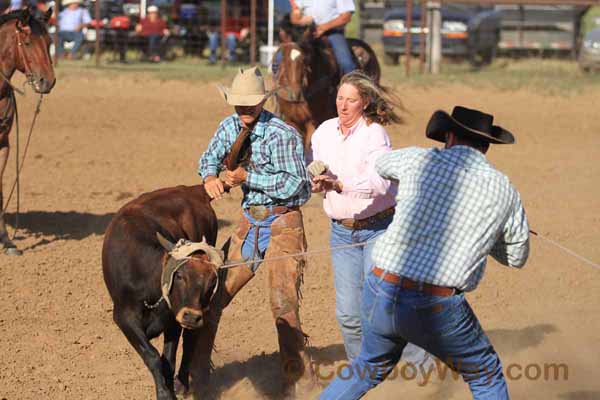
<point>294,54</point>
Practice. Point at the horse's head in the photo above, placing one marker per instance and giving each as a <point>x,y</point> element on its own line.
<point>293,71</point>
<point>30,44</point>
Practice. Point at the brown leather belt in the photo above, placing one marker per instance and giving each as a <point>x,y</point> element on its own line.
<point>409,284</point>
<point>259,213</point>
<point>357,224</point>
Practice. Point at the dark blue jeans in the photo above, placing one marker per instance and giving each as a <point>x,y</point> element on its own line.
<point>213,44</point>
<point>69,36</point>
<point>443,326</point>
<point>154,45</point>
<point>342,52</point>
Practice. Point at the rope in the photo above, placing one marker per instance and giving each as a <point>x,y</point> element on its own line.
<point>303,253</point>
<point>348,246</point>
<point>568,251</point>
<point>8,82</point>
<point>19,166</point>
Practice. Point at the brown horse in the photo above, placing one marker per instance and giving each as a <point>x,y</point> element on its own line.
<point>308,78</point>
<point>24,47</point>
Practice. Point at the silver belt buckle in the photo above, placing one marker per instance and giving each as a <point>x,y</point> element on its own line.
<point>259,213</point>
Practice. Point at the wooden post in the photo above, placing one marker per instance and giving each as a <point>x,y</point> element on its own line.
<point>97,44</point>
<point>436,36</point>
<point>253,32</point>
<point>223,27</point>
<point>408,45</point>
<point>422,38</point>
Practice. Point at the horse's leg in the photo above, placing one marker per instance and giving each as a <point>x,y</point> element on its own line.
<point>4,239</point>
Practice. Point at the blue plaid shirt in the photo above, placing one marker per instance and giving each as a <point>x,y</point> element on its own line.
<point>277,174</point>
<point>453,209</point>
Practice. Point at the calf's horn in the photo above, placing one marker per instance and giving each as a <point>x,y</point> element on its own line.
<point>164,242</point>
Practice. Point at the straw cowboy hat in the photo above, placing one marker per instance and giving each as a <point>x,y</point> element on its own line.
<point>247,89</point>
<point>467,122</point>
<point>69,2</point>
<point>152,9</point>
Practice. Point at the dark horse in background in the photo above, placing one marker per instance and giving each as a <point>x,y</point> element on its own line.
<point>24,47</point>
<point>308,77</point>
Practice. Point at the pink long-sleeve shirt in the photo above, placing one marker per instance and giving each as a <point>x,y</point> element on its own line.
<point>351,159</point>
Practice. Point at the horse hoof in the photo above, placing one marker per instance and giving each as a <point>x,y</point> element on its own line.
<point>12,251</point>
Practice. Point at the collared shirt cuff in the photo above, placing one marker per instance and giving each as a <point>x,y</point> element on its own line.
<point>205,173</point>
<point>253,180</point>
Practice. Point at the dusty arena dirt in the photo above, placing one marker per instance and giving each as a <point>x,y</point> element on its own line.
<point>102,141</point>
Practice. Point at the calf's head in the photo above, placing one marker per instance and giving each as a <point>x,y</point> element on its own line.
<point>190,280</point>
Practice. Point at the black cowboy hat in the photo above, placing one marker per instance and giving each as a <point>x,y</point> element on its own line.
<point>467,122</point>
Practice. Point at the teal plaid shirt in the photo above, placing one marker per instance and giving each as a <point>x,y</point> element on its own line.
<point>453,210</point>
<point>277,173</point>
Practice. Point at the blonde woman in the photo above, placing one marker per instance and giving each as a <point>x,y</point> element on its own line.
<point>358,201</point>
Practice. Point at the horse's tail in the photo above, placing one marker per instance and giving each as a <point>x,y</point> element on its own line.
<point>366,58</point>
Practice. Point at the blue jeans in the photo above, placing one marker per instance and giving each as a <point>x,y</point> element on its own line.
<point>342,52</point>
<point>154,45</point>
<point>444,326</point>
<point>350,267</point>
<point>213,44</point>
<point>69,36</point>
<point>264,237</point>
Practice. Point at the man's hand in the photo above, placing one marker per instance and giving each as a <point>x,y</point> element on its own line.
<point>236,177</point>
<point>321,29</point>
<point>326,183</point>
<point>214,187</point>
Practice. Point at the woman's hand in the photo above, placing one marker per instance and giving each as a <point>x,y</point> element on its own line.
<point>326,183</point>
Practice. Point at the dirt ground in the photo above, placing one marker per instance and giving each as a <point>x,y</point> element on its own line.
<point>102,141</point>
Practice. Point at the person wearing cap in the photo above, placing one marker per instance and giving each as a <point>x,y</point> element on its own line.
<point>275,184</point>
<point>71,21</point>
<point>453,210</point>
<point>154,29</point>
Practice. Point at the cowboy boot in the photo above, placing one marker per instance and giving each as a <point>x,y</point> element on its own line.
<point>284,280</point>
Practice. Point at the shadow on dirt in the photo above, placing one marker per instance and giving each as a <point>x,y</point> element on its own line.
<point>71,225</point>
<point>505,342</point>
<point>264,374</point>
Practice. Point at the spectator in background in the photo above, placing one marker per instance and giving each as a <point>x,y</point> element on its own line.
<point>214,44</point>
<point>41,7</point>
<point>154,29</point>
<point>71,20</point>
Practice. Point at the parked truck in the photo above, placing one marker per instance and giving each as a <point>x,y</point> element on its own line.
<point>540,29</point>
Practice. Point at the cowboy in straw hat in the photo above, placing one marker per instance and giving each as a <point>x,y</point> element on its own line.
<point>275,184</point>
<point>71,20</point>
<point>454,209</point>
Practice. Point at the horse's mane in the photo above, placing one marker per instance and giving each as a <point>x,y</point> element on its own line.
<point>24,15</point>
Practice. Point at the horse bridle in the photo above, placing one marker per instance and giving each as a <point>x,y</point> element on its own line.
<point>26,64</point>
<point>305,95</point>
<point>24,59</point>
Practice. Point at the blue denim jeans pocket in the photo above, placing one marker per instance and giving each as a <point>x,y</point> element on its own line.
<point>378,307</point>
<point>441,315</point>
